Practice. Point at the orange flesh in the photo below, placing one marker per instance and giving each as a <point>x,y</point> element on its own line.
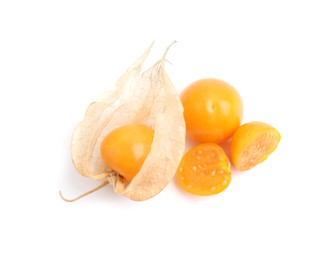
<point>125,149</point>
<point>204,170</point>
<point>252,143</point>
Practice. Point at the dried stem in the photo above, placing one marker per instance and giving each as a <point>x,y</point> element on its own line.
<point>84,194</point>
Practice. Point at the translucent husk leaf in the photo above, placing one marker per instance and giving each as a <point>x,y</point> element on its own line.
<point>148,98</point>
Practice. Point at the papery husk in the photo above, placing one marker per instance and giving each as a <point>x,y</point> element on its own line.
<point>148,98</point>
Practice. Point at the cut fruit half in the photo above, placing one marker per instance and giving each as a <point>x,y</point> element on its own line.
<point>204,170</point>
<point>252,143</point>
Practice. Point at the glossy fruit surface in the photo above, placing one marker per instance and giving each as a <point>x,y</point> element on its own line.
<point>252,143</point>
<point>126,148</point>
<point>204,170</point>
<point>212,110</point>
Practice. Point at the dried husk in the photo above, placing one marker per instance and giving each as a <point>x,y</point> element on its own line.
<point>148,98</point>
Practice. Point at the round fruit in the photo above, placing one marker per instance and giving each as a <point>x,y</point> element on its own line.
<point>212,110</point>
<point>126,148</point>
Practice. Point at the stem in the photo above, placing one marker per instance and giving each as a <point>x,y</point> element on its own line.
<point>84,194</point>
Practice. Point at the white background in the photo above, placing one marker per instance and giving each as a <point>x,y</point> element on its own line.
<point>56,57</point>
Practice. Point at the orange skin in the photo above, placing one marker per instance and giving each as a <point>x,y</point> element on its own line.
<point>204,170</point>
<point>125,149</point>
<point>252,143</point>
<point>212,110</point>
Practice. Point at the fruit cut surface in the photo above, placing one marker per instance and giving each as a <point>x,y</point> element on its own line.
<point>204,170</point>
<point>252,143</point>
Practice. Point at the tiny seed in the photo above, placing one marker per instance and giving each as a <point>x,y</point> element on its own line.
<point>189,186</point>
<point>180,169</point>
<point>198,157</point>
<point>199,152</point>
<point>213,172</point>
<point>182,178</point>
<point>212,154</point>
<point>260,147</point>
<point>194,168</point>
<point>213,188</point>
<point>221,171</point>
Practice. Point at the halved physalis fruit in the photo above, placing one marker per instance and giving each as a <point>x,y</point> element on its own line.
<point>252,143</point>
<point>204,170</point>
